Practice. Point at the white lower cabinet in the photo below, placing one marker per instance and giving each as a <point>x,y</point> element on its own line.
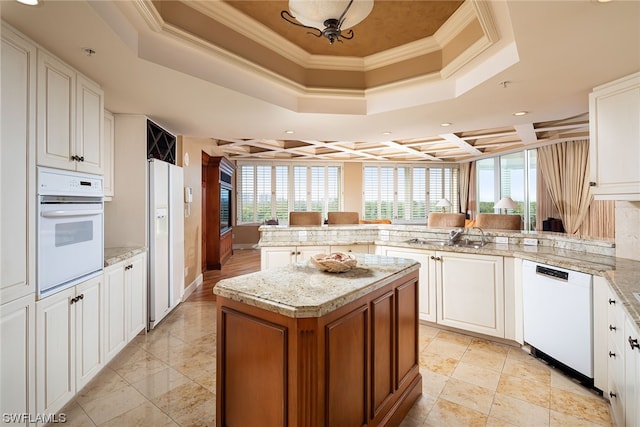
<point>115,330</point>
<point>135,283</point>
<point>357,249</point>
<point>68,343</point>
<point>632,373</point>
<point>427,291</point>
<point>470,290</point>
<point>125,296</point>
<point>17,358</point>
<point>279,256</point>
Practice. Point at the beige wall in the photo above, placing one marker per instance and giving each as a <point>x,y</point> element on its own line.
<point>628,230</point>
<point>353,187</point>
<point>193,178</point>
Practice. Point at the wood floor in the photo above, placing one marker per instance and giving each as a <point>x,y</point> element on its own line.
<point>242,261</point>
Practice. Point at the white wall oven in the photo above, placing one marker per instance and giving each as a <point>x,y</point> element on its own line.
<point>70,229</point>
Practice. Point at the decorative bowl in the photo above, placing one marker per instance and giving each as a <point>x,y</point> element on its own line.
<point>335,262</point>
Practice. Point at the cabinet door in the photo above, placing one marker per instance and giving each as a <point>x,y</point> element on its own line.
<point>632,374</point>
<point>471,292</point>
<point>108,141</point>
<point>277,256</point>
<point>614,126</point>
<point>17,167</point>
<point>89,318</point>
<point>56,113</point>
<point>136,287</point>
<point>358,249</point>
<point>89,133</point>
<point>55,355</point>
<point>115,331</point>
<point>17,356</point>
<point>427,295</point>
<point>303,253</point>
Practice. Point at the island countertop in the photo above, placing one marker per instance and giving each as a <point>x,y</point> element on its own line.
<point>302,291</point>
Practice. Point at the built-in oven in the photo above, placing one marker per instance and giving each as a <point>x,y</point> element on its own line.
<point>70,229</point>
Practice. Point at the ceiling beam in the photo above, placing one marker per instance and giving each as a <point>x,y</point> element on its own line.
<point>455,139</point>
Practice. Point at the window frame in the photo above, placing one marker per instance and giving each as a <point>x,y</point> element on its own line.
<point>291,187</point>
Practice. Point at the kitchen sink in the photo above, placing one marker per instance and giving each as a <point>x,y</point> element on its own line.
<point>428,242</point>
<point>461,244</point>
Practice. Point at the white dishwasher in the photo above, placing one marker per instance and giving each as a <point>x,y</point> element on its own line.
<point>558,317</point>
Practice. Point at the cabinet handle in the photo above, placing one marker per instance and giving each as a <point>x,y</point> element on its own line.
<point>612,328</point>
<point>293,253</point>
<point>612,394</point>
<point>435,258</point>
<point>74,158</point>
<point>73,300</point>
<point>81,296</point>
<point>611,301</point>
<point>612,354</point>
<point>298,253</point>
<point>81,158</point>
<point>633,343</point>
<point>592,184</point>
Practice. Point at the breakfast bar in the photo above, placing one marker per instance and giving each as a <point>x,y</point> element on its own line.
<point>298,346</point>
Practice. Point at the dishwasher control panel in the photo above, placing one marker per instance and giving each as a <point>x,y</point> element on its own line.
<point>557,274</point>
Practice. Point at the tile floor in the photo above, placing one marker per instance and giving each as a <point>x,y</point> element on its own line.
<point>167,378</point>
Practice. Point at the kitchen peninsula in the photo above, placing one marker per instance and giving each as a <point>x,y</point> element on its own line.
<point>301,347</point>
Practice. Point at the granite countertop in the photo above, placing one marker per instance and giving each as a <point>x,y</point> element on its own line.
<point>302,291</point>
<point>115,255</point>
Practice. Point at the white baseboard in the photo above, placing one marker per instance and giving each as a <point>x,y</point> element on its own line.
<point>192,287</point>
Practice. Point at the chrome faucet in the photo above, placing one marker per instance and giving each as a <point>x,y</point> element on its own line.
<point>454,235</point>
<point>483,239</point>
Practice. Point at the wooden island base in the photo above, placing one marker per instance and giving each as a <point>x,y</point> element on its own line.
<point>355,366</point>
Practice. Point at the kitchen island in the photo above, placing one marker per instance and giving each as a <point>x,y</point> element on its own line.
<point>301,347</point>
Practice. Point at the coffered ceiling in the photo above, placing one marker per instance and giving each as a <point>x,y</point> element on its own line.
<point>235,72</point>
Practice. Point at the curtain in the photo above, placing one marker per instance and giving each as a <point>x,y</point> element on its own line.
<point>565,168</point>
<point>467,188</point>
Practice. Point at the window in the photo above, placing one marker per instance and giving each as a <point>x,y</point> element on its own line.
<point>512,175</point>
<point>269,190</point>
<point>408,193</point>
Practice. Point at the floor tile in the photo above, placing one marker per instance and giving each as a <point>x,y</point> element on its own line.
<point>559,419</point>
<point>563,382</point>
<point>592,409</point>
<point>483,377</point>
<point>436,363</point>
<point>534,371</point>
<point>525,389</point>
<point>116,403</point>
<point>74,416</point>
<point>433,382</point>
<point>468,395</point>
<point>140,368</point>
<point>484,359</point>
<point>142,416</point>
<point>446,347</point>
<point>518,412</point>
<point>160,382</point>
<point>188,404</point>
<point>421,409</point>
<point>107,381</point>
<point>450,414</point>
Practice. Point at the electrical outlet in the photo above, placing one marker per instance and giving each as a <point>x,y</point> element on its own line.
<point>531,242</point>
<point>502,240</point>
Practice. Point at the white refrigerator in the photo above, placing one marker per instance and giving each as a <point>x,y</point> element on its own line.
<point>166,239</point>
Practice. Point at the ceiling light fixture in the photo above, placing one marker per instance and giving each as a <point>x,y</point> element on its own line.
<point>29,2</point>
<point>334,16</point>
<point>521,113</point>
<point>445,124</point>
<point>288,132</point>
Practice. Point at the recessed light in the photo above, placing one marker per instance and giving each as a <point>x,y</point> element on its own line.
<point>289,132</point>
<point>521,113</point>
<point>29,2</point>
<point>386,133</point>
<point>445,124</point>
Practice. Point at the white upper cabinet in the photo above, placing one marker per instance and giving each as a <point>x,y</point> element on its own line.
<point>17,166</point>
<point>70,118</point>
<point>614,151</point>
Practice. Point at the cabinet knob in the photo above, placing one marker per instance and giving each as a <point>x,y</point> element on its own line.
<point>293,253</point>
<point>74,158</point>
<point>81,296</point>
<point>592,184</point>
<point>633,343</point>
<point>612,394</point>
<point>612,354</point>
<point>81,158</point>
<point>611,301</point>
<point>612,328</point>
